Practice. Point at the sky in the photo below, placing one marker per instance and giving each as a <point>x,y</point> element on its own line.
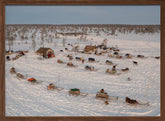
<point>103,14</point>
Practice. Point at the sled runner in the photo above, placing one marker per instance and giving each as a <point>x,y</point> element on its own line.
<point>144,103</point>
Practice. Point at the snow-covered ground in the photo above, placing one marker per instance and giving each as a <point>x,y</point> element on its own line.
<point>24,99</point>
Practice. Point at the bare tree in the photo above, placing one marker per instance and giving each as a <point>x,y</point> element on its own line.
<point>33,44</point>
<point>63,41</point>
<point>105,42</point>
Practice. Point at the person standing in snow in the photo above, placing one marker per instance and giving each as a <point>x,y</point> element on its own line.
<point>102,91</point>
<point>114,68</point>
<point>82,61</point>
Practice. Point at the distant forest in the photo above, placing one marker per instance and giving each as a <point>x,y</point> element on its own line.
<point>25,32</point>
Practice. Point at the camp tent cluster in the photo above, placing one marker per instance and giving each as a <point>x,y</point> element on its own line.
<point>45,52</point>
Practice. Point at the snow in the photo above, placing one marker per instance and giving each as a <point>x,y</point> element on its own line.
<point>25,99</point>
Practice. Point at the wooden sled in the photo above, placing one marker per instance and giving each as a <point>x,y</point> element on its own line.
<point>93,61</point>
<point>13,71</point>
<point>110,72</point>
<point>90,68</point>
<point>34,81</point>
<point>20,76</point>
<point>119,57</point>
<point>76,92</point>
<point>102,95</point>
<point>124,70</point>
<point>134,102</point>
<point>60,61</point>
<point>71,65</point>
<point>109,62</point>
<point>53,87</point>
<point>110,55</point>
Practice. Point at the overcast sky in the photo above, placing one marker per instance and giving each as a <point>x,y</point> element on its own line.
<point>82,14</point>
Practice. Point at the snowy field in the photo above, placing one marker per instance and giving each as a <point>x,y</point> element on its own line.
<point>25,99</point>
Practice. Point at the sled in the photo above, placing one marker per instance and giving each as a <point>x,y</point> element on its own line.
<point>110,55</point>
<point>111,72</point>
<point>20,76</point>
<point>93,61</point>
<point>60,61</point>
<point>54,88</point>
<point>109,62</point>
<point>76,92</point>
<point>134,102</point>
<point>79,58</point>
<point>90,68</point>
<point>34,81</point>
<point>71,65</point>
<point>13,71</point>
<point>119,57</point>
<point>103,95</point>
<point>124,70</point>
<point>128,56</point>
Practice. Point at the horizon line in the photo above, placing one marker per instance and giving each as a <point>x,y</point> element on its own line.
<point>90,24</point>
